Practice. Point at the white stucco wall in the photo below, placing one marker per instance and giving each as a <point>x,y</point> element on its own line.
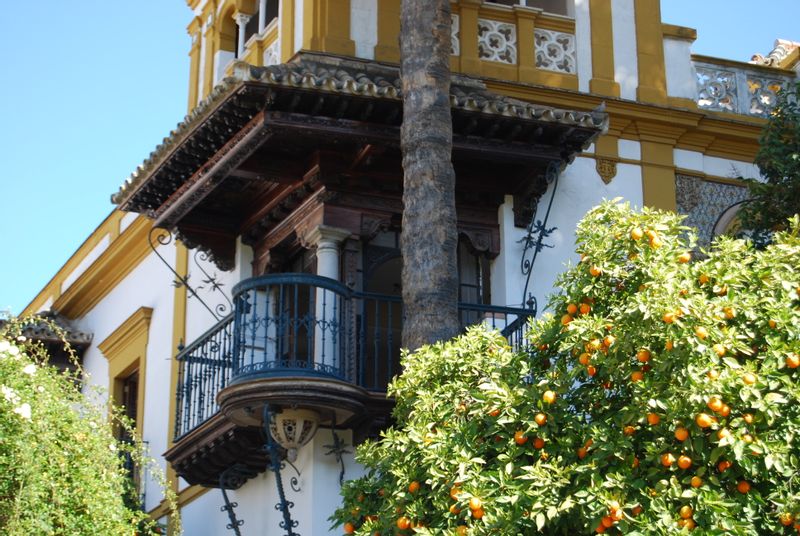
<point>364,27</point>
<point>626,71</point>
<point>127,220</point>
<point>148,285</point>
<point>715,166</point>
<point>298,24</point>
<point>579,189</point>
<point>221,60</point>
<point>681,77</point>
<point>583,43</point>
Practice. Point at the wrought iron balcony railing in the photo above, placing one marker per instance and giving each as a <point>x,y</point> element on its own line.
<point>292,325</point>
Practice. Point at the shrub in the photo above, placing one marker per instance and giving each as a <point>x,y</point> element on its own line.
<point>60,465</point>
<point>661,397</point>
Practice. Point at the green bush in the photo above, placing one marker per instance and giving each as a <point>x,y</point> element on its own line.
<point>60,466</point>
<point>661,397</point>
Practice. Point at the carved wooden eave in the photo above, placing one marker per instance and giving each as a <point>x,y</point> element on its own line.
<point>270,139</point>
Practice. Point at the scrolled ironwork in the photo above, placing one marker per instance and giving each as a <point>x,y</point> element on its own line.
<point>337,449</point>
<point>232,478</point>
<point>163,237</point>
<point>284,505</point>
<point>201,257</point>
<point>535,235</point>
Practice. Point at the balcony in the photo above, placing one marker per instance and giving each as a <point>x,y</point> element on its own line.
<point>739,88</point>
<point>294,340</point>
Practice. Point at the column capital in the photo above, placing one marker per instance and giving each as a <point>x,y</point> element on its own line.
<point>324,235</point>
<point>242,18</point>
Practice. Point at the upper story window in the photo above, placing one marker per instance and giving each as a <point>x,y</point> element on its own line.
<point>559,7</point>
<point>257,23</point>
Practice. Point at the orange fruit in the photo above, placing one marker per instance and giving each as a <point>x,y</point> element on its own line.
<point>690,524</point>
<point>681,434</point>
<point>669,346</point>
<point>403,523</point>
<point>793,361</point>
<point>413,487</point>
<point>595,344</point>
<point>719,349</point>
<point>749,378</point>
<point>520,438</point>
<point>712,374</point>
<point>653,419</point>
<point>629,430</point>
<point>540,419</point>
<point>591,370</point>
<point>748,418</point>
<point>747,438</point>
<point>549,397</point>
<point>566,319</point>
<point>637,376</point>
<point>703,279</point>
<point>454,509</point>
<point>684,257</point>
<point>725,410</point>
<point>669,318</point>
<point>729,312</point>
<point>684,462</point>
<point>349,528</point>
<point>461,530</point>
<point>477,513</point>
<point>538,443</point>
<point>475,503</point>
<point>643,355</point>
<point>607,521</point>
<point>595,270</point>
<point>786,519</point>
<point>609,340</point>
<point>600,529</point>
<point>454,491</point>
<point>703,420</point>
<point>589,443</point>
<point>697,481</point>
<point>743,486</point>
<point>572,308</point>
<point>635,463</point>
<point>584,359</point>
<point>494,413</point>
<point>656,242</point>
<point>585,308</point>
<point>701,332</point>
<point>636,510</point>
<point>686,511</point>
<point>582,452</point>
<point>773,323</point>
<point>667,459</point>
<point>715,404</point>
<point>723,466</point>
<point>637,233</point>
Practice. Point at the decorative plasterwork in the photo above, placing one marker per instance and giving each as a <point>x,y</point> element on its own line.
<point>555,51</point>
<point>704,201</point>
<point>455,30</point>
<point>763,93</point>
<point>716,89</point>
<point>272,54</point>
<point>607,169</point>
<point>497,41</point>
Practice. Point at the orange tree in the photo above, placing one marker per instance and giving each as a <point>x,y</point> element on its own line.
<point>661,398</point>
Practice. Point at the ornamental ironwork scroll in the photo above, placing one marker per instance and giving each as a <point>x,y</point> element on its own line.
<point>284,505</point>
<point>534,240</point>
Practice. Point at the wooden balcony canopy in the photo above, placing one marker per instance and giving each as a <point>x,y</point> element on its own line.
<point>267,138</point>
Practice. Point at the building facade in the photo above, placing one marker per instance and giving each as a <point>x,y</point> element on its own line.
<point>251,270</point>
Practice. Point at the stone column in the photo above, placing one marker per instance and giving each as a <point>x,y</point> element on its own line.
<point>241,21</point>
<point>328,332</point>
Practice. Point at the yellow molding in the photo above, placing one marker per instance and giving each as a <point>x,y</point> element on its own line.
<point>650,52</point>
<point>112,266</point>
<point>52,290</point>
<point>658,175</point>
<point>791,59</point>
<point>602,43</point>
<point>286,34</point>
<point>126,352</point>
<point>722,62</point>
<point>679,32</point>
<point>546,21</point>
<point>186,496</point>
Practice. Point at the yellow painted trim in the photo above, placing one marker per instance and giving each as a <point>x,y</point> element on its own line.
<point>126,351</point>
<point>602,43</point>
<point>178,337</point>
<point>791,59</point>
<point>765,69</point>
<point>548,21</point>
<point>658,175</point>
<point>112,266</point>
<point>679,32</point>
<point>185,497</point>
<point>52,290</point>
<point>469,60</point>
<point>650,52</point>
<point>387,49</point>
<point>286,34</point>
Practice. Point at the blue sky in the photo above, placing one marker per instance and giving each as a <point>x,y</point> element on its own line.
<point>90,87</point>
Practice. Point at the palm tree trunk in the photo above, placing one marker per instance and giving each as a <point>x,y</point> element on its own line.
<point>429,235</point>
